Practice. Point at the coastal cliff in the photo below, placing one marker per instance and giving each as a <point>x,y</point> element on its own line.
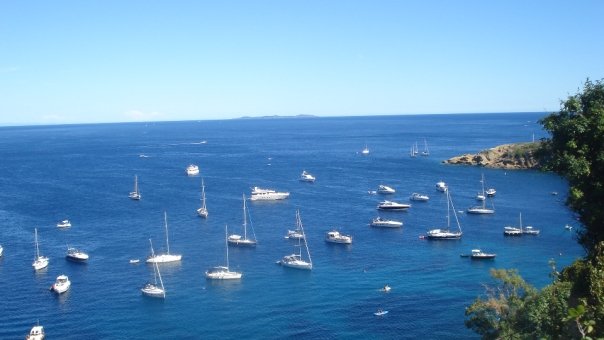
<point>507,156</point>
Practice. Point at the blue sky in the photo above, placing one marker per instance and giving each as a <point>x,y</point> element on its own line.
<point>114,61</point>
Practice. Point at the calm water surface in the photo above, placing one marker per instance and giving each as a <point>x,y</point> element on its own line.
<point>84,173</point>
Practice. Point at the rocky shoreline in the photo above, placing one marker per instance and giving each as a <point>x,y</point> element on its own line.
<point>506,156</point>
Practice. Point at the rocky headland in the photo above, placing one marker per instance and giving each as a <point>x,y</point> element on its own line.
<point>507,156</point>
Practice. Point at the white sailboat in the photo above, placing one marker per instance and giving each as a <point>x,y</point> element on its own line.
<point>425,152</point>
<point>135,195</point>
<point>203,211</point>
<point>40,262</point>
<point>295,260</point>
<point>446,234</point>
<point>223,272</point>
<point>514,231</point>
<point>238,240</point>
<point>152,289</point>
<point>481,209</point>
<point>365,150</point>
<point>167,257</point>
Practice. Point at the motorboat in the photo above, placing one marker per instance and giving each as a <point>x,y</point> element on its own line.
<point>294,234</point>
<point>64,224</point>
<point>134,261</point>
<point>295,260</point>
<point>419,197</point>
<point>167,257</point>
<point>203,210</point>
<point>529,230</point>
<point>73,254</point>
<point>568,227</point>
<point>223,272</point>
<point>384,223</point>
<point>36,333</point>
<point>478,254</point>
<point>380,312</point>
<point>1,250</point>
<point>441,186</point>
<point>135,195</point>
<point>391,205</point>
<point>335,236</point>
<point>243,240</point>
<point>153,289</point>
<point>61,285</point>
<point>259,194</point>
<point>384,189</point>
<point>446,234</point>
<point>491,192</point>
<point>307,177</point>
<point>40,262</point>
<point>386,288</point>
<point>192,170</point>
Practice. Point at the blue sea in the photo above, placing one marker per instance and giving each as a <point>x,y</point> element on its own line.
<point>84,173</point>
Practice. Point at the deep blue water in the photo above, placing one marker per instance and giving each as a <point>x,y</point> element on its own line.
<point>84,173</point>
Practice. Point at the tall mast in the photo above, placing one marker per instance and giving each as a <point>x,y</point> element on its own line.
<point>244,220</point>
<point>155,264</point>
<point>36,238</point>
<point>305,243</point>
<point>226,245</point>
<point>136,184</point>
<point>166,226</point>
<point>203,195</point>
<point>448,212</point>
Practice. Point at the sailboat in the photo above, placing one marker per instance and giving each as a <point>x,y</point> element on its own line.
<point>223,272</point>
<point>514,231</point>
<point>412,151</point>
<point>167,257</point>
<point>295,260</point>
<point>40,262</point>
<point>135,195</point>
<point>203,211</point>
<point>446,234</point>
<point>365,150</point>
<point>481,209</point>
<point>425,152</point>
<point>238,240</point>
<point>152,289</point>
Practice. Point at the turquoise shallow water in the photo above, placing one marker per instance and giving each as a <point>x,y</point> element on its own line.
<point>84,173</point>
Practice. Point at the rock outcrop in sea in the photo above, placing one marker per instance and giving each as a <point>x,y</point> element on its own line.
<point>506,156</point>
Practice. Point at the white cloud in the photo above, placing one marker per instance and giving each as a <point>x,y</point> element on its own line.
<point>142,116</point>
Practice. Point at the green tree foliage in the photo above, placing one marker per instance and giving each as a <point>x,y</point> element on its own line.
<point>576,151</point>
<point>572,307</point>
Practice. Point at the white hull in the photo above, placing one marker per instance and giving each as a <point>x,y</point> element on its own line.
<point>135,196</point>
<point>202,212</point>
<point>164,258</point>
<point>61,285</point>
<point>241,242</point>
<point>386,224</point>
<point>335,237</point>
<point>222,273</point>
<point>64,224</point>
<point>389,205</point>
<point>287,261</point>
<point>40,263</point>
<point>441,186</point>
<point>294,235</point>
<point>192,170</point>
<point>440,234</point>
<point>270,196</point>
<point>480,211</point>
<point>36,333</point>
<point>153,291</point>
<point>419,197</point>
<point>384,189</point>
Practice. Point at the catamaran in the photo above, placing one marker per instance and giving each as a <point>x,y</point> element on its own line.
<point>40,262</point>
<point>446,234</point>
<point>295,260</point>
<point>223,272</point>
<point>167,257</point>
<point>238,240</point>
<point>135,195</point>
<point>203,211</point>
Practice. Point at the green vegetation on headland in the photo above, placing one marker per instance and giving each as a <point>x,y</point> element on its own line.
<point>572,306</point>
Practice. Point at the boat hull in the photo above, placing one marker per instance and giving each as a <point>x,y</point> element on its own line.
<point>164,258</point>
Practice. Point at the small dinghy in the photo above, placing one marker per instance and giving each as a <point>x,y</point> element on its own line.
<point>380,312</point>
